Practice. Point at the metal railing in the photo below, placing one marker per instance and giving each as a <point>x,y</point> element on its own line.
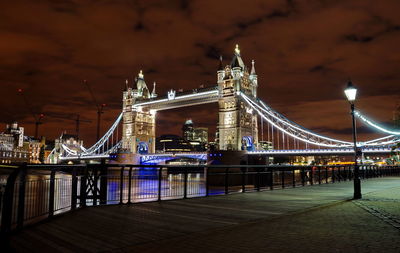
<point>36,192</point>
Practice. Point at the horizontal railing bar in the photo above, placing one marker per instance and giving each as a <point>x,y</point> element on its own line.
<point>118,166</point>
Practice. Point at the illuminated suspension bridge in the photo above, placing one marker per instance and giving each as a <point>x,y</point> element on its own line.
<point>239,110</point>
<point>110,143</point>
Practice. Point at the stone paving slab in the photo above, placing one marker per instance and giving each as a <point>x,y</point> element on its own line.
<point>343,227</point>
<point>289,220</point>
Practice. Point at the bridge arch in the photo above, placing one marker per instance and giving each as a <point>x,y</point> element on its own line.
<point>142,147</point>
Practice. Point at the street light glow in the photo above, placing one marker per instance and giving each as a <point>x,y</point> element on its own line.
<point>350,92</point>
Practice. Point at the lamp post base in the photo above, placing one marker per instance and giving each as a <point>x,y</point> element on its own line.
<point>357,188</point>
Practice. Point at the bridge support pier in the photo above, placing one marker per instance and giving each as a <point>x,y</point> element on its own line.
<point>103,182</point>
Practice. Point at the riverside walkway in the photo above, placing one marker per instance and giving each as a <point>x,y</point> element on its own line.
<point>319,218</point>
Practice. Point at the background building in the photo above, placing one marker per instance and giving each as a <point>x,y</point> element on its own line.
<point>172,143</point>
<point>196,136</point>
<point>266,145</point>
<point>12,147</point>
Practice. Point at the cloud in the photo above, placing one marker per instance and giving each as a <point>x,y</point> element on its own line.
<point>304,50</point>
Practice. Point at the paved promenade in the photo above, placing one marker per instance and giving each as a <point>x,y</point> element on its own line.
<point>319,218</point>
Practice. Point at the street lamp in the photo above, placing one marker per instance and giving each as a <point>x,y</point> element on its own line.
<point>351,93</point>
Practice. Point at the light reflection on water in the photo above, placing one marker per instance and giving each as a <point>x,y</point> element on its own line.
<point>145,185</point>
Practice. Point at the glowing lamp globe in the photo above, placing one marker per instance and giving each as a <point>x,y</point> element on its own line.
<point>350,92</point>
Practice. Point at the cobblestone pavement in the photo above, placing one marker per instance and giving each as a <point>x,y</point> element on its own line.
<point>319,218</point>
<point>384,205</point>
<point>343,227</point>
<point>368,225</point>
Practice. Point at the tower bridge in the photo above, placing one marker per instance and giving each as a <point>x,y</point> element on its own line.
<point>240,111</point>
<point>237,125</point>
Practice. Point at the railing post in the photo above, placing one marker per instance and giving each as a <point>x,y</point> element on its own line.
<point>82,194</point>
<point>350,174</point>
<point>95,175</point>
<point>226,181</point>
<point>121,185</point>
<point>343,173</point>
<point>258,179</point>
<point>103,182</point>
<point>243,179</point>
<point>339,176</point>
<point>294,177</point>
<point>52,192</point>
<point>207,181</point>
<point>185,182</point>
<point>319,175</point>
<point>361,171</point>
<point>283,178</point>
<point>6,216</point>
<point>74,189</point>
<point>159,183</point>
<point>21,197</point>
<point>326,175</point>
<point>303,179</point>
<point>271,179</point>
<point>311,176</point>
<point>130,185</point>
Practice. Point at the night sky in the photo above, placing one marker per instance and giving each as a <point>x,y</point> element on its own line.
<point>305,51</point>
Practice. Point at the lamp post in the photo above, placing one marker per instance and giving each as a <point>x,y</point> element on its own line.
<point>351,93</point>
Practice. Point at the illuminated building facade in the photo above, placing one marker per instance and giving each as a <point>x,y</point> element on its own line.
<point>12,146</point>
<point>237,122</point>
<point>138,128</point>
<point>188,130</point>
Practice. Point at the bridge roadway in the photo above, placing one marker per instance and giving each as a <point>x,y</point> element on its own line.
<point>322,152</point>
<point>273,153</point>
<point>317,218</point>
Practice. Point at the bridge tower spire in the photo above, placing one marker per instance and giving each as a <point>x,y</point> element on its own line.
<point>253,78</point>
<point>138,128</point>
<point>237,128</point>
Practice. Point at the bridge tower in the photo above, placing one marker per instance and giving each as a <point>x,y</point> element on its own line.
<point>138,127</point>
<point>237,128</point>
